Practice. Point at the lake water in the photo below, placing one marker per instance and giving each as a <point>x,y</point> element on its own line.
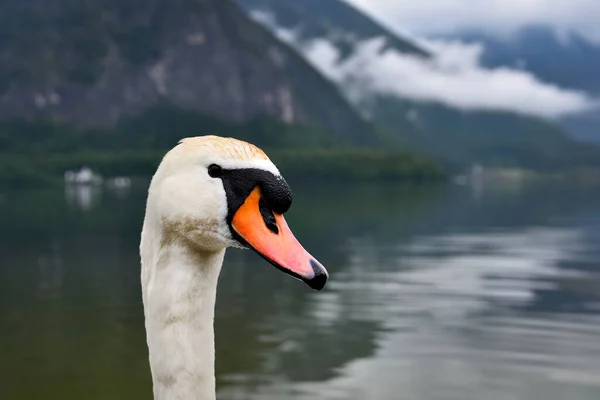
<point>436,293</point>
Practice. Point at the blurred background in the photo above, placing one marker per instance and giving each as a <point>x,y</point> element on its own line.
<point>445,162</point>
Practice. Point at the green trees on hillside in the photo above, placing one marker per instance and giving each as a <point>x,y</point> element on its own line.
<point>35,152</point>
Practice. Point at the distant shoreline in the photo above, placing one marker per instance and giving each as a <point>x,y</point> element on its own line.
<point>38,152</point>
<point>346,165</point>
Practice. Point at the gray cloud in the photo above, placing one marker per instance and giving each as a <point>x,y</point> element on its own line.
<point>455,77</point>
<point>502,16</point>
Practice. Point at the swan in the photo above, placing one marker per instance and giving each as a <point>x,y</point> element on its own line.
<point>208,193</point>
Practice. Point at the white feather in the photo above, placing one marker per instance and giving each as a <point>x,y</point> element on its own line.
<point>182,246</point>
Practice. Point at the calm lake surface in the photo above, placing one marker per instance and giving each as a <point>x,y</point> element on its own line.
<point>436,293</point>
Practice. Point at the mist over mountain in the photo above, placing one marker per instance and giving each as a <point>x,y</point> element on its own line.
<point>436,95</point>
<point>565,58</point>
<point>341,24</point>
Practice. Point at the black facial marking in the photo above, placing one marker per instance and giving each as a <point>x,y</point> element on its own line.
<point>276,198</point>
<point>239,183</point>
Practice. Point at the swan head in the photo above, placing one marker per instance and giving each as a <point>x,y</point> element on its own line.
<point>211,193</point>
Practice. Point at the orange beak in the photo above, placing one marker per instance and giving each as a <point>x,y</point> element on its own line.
<point>277,245</point>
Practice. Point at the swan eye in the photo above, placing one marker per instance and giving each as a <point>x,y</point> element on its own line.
<point>215,171</point>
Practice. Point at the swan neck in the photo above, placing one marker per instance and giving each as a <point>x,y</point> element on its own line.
<point>179,286</point>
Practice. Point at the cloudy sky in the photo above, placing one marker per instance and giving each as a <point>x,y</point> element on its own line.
<point>456,77</point>
<point>433,16</point>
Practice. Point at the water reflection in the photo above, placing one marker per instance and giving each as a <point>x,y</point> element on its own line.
<point>87,196</point>
<point>453,319</point>
<point>83,197</point>
<point>50,274</point>
<point>436,293</point>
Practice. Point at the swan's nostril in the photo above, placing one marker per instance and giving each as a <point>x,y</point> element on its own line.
<point>268,216</point>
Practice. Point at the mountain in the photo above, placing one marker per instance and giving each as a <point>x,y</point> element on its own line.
<point>113,84</point>
<point>584,127</point>
<point>456,137</point>
<point>566,59</point>
<point>460,139</point>
<point>95,62</point>
<point>341,24</point>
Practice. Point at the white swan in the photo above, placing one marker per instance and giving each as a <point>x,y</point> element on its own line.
<point>207,194</point>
